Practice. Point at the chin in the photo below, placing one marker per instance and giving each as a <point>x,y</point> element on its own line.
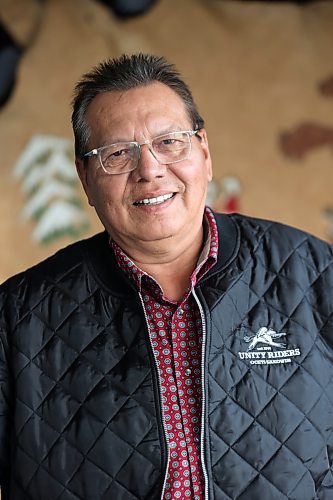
<point>156,236</point>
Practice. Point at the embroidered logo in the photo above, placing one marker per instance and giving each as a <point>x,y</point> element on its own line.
<point>264,349</point>
<point>265,336</point>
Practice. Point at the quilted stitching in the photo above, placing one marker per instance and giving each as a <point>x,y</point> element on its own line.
<point>105,429</point>
<point>74,441</point>
<point>246,403</point>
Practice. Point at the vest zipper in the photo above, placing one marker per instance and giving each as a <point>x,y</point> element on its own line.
<point>203,402</point>
<point>160,396</point>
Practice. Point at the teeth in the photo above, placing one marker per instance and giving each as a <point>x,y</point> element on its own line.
<point>154,201</point>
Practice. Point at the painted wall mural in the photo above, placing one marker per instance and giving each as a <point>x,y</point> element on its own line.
<point>224,194</point>
<point>50,185</point>
<point>308,136</point>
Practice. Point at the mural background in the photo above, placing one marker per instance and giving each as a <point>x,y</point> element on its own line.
<point>260,72</point>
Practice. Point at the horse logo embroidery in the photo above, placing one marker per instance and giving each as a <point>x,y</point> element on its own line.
<point>265,336</point>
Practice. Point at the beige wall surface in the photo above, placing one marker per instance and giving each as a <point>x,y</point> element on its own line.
<point>255,69</point>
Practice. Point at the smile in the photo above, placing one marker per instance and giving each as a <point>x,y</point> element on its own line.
<point>154,201</point>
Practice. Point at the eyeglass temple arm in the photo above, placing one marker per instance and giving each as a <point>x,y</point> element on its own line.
<point>93,152</point>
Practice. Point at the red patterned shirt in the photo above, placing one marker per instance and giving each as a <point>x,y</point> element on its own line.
<point>175,330</point>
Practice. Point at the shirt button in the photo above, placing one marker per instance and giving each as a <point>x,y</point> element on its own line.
<point>180,312</point>
<point>197,439</point>
<point>188,371</point>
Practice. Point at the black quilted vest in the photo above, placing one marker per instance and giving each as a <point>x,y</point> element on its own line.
<point>80,413</point>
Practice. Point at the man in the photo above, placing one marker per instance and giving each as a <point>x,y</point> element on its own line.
<point>179,354</point>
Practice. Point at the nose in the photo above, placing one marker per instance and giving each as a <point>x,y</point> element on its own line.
<point>148,168</point>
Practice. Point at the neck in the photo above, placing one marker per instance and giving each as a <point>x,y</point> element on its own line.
<point>170,263</point>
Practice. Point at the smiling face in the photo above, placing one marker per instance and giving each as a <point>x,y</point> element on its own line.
<point>124,202</point>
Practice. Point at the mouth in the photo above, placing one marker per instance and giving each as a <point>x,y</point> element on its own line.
<point>154,201</point>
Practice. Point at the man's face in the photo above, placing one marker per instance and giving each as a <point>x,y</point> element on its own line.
<point>141,114</point>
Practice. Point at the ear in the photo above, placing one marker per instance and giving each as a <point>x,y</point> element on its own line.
<point>82,172</point>
<point>205,148</point>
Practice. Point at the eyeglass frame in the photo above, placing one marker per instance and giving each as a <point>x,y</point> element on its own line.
<point>97,151</point>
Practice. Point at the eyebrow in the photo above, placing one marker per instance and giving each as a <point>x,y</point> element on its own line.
<point>167,130</point>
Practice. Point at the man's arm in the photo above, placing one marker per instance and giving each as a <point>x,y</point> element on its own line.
<point>5,412</point>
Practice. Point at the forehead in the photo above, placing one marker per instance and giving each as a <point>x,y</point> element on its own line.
<point>148,106</point>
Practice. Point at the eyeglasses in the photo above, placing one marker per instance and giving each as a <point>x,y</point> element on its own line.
<point>123,157</point>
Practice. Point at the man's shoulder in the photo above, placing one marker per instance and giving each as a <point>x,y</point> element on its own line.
<point>65,261</point>
<point>276,238</point>
<point>260,228</point>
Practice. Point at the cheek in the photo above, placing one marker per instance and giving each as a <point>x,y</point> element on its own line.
<point>108,192</point>
<point>196,177</point>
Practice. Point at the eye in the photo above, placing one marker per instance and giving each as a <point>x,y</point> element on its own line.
<point>168,141</point>
<point>115,153</point>
<point>119,152</point>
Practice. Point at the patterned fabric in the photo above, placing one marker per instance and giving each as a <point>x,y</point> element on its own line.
<point>175,331</point>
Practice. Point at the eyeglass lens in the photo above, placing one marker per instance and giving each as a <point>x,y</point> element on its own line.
<point>168,148</point>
